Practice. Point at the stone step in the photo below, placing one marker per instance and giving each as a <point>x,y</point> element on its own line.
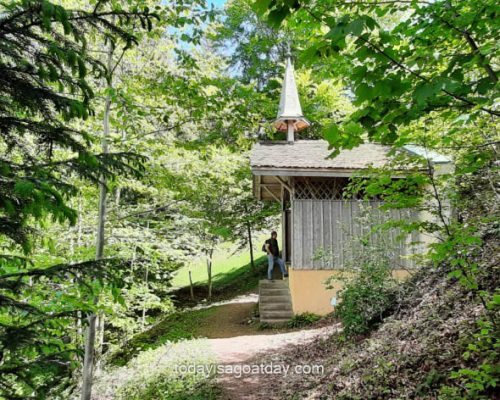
<point>276,306</point>
<point>275,303</point>
<point>266,299</point>
<point>272,321</point>
<point>273,284</point>
<point>274,291</point>
<point>276,314</point>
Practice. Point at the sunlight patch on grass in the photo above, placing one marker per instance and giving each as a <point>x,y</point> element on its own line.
<point>224,262</point>
<point>153,374</point>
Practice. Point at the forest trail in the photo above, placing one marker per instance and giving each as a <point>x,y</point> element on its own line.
<point>228,341</point>
<point>236,354</point>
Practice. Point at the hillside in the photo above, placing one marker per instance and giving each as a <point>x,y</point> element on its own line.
<point>411,355</point>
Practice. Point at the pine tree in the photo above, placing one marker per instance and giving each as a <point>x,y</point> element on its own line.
<point>46,70</point>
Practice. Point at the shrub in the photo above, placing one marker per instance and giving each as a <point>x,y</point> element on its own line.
<point>480,373</point>
<point>369,288</point>
<point>365,297</point>
<point>304,319</point>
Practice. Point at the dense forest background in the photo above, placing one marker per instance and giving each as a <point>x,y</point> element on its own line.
<point>125,131</point>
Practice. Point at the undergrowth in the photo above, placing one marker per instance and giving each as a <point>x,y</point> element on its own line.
<point>304,319</point>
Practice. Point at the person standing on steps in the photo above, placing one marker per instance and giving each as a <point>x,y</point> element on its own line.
<point>273,255</point>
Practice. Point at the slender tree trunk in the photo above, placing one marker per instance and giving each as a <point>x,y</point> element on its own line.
<point>250,244</point>
<point>88,363</point>
<point>143,319</point>
<point>89,358</point>
<point>79,330</point>
<point>100,340</point>
<point>191,291</point>
<point>118,191</point>
<point>209,272</point>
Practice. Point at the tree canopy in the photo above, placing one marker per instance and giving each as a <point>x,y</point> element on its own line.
<point>125,128</point>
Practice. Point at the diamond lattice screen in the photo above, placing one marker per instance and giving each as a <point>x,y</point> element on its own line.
<point>318,190</point>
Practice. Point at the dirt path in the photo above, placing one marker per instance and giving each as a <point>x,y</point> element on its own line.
<point>236,345</point>
<point>229,320</point>
<point>243,375</point>
<point>227,340</point>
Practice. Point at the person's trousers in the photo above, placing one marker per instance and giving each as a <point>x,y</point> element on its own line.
<point>271,260</point>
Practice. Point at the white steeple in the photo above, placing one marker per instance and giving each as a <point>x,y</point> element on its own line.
<point>290,118</point>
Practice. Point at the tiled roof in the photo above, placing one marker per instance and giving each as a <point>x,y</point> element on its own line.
<point>314,154</point>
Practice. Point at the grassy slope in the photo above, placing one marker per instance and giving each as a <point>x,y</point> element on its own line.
<point>225,285</point>
<point>225,261</point>
<point>188,324</point>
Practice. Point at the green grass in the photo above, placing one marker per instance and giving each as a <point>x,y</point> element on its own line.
<point>224,262</point>
<point>225,285</point>
<point>187,324</point>
<point>154,375</point>
<point>177,326</point>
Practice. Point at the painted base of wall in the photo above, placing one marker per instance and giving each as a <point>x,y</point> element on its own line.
<point>309,292</point>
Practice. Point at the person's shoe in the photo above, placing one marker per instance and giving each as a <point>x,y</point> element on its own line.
<point>285,276</point>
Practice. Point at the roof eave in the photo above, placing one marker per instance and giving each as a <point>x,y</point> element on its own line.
<point>320,172</point>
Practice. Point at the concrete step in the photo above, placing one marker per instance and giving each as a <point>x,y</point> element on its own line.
<point>273,284</point>
<point>272,321</point>
<point>276,314</point>
<point>275,306</point>
<point>266,299</point>
<point>274,291</point>
<point>275,303</point>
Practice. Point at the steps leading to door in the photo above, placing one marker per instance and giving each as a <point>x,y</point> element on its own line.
<point>275,302</point>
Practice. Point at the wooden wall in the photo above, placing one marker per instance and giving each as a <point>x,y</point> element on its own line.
<point>322,231</point>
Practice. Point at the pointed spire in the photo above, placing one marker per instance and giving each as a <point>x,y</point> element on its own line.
<point>290,116</point>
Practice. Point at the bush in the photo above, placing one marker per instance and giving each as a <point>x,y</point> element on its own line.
<point>365,297</point>
<point>304,319</point>
<point>368,286</point>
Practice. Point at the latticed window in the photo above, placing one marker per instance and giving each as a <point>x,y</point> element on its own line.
<point>319,189</point>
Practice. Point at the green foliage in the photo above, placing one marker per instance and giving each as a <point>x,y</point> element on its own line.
<point>479,381</point>
<point>365,297</point>
<point>182,388</point>
<point>368,286</point>
<point>304,319</point>
<point>51,69</point>
<point>398,60</point>
<point>34,335</point>
<point>167,380</point>
<point>177,326</point>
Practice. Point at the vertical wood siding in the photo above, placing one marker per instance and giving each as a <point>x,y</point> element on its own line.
<point>323,229</point>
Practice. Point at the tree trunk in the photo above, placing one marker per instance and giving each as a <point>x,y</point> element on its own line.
<point>79,330</point>
<point>191,291</point>
<point>249,234</point>
<point>100,340</point>
<point>250,244</point>
<point>88,363</point>
<point>89,359</point>
<point>143,318</point>
<point>209,272</point>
